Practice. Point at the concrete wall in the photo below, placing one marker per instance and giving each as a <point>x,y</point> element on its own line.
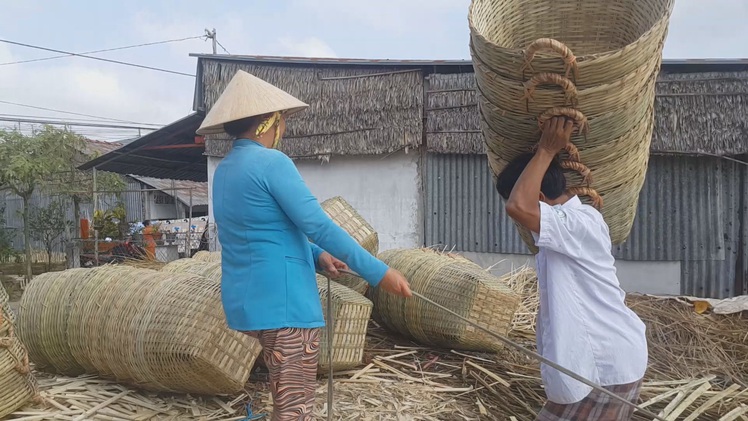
<point>662,278</point>
<point>385,190</point>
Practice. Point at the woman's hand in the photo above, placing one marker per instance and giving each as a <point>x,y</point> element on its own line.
<point>331,265</point>
<point>395,283</point>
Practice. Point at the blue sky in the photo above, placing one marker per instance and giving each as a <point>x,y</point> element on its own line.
<point>406,29</point>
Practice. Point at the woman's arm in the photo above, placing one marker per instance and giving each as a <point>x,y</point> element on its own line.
<point>284,182</point>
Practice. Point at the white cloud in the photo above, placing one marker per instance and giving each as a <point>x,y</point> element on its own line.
<point>307,47</point>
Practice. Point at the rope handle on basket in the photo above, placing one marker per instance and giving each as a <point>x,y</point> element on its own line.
<point>597,201</point>
<point>580,120</point>
<point>582,169</point>
<point>550,44</point>
<point>570,89</point>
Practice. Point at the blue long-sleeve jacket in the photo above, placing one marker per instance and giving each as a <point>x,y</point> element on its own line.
<point>265,216</point>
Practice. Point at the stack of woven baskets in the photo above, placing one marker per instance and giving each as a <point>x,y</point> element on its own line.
<point>351,312</point>
<point>17,384</point>
<point>593,61</point>
<point>157,330</point>
<point>456,283</point>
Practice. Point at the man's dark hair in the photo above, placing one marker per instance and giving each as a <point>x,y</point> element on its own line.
<point>237,128</point>
<point>553,185</point>
<point>146,223</point>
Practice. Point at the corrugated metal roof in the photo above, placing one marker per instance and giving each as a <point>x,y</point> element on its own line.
<point>419,63</point>
<point>199,190</point>
<point>148,156</point>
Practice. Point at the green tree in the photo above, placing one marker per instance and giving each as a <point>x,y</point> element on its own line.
<point>28,163</point>
<point>48,224</point>
<point>6,238</point>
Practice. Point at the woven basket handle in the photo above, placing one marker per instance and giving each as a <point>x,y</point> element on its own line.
<point>582,169</point>
<point>551,79</point>
<point>549,44</point>
<point>597,201</point>
<point>580,120</point>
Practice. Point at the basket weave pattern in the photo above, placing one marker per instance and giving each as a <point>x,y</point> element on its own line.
<point>593,61</point>
<point>17,384</point>
<point>351,313</point>
<point>207,256</point>
<point>455,283</point>
<point>156,330</point>
<point>343,214</point>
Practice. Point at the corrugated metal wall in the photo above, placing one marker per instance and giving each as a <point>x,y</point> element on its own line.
<point>134,209</point>
<point>690,210</point>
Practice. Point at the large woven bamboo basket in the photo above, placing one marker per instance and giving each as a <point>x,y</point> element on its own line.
<point>207,256</point>
<point>457,284</point>
<point>351,312</point>
<point>43,326</point>
<point>595,62</point>
<point>157,330</point>
<point>606,40</point>
<point>17,385</point>
<point>343,214</point>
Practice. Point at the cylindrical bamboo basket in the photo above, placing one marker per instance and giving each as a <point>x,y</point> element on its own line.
<point>17,385</point>
<point>157,330</point>
<point>343,214</point>
<point>607,40</point>
<point>45,308</point>
<point>595,62</point>
<point>457,284</point>
<point>207,256</point>
<point>351,312</point>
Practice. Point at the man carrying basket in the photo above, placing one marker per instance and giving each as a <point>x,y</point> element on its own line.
<point>583,321</point>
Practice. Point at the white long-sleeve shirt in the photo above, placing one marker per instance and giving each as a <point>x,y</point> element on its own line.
<point>584,324</point>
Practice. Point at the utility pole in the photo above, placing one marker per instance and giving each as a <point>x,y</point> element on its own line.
<point>212,36</point>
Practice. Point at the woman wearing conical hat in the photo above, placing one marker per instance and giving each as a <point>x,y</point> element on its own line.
<point>265,215</point>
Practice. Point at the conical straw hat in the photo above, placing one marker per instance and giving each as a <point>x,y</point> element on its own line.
<point>247,96</point>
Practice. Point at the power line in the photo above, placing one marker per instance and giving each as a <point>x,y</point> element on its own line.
<point>221,45</point>
<point>70,123</point>
<point>102,51</point>
<point>74,120</point>
<point>73,113</point>
<point>96,58</point>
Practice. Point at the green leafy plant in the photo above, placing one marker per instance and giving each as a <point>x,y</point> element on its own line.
<point>6,238</point>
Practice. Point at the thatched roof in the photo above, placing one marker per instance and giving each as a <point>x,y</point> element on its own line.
<point>351,110</point>
<point>360,107</point>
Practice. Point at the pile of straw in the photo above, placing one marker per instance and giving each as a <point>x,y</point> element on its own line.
<point>455,283</point>
<point>157,330</point>
<point>17,384</point>
<point>351,313</point>
<point>595,62</point>
<point>343,214</point>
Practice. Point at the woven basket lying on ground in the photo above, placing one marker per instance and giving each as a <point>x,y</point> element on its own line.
<point>343,214</point>
<point>456,284</point>
<point>351,313</point>
<point>593,61</point>
<point>157,330</point>
<point>207,256</point>
<point>17,385</point>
